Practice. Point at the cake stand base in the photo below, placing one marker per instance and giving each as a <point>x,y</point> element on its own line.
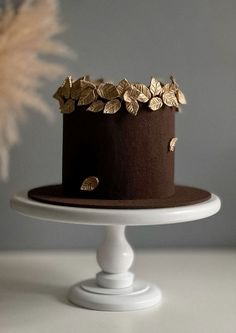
<point>140,295</point>
<point>114,288</point>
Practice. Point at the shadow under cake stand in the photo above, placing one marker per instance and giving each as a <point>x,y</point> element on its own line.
<point>114,288</point>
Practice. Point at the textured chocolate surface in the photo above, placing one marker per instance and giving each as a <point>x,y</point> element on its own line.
<point>128,154</point>
<point>183,196</point>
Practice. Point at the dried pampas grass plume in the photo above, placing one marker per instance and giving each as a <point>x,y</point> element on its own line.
<point>26,34</point>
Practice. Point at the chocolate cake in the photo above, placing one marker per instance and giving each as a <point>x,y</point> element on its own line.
<point>118,146</point>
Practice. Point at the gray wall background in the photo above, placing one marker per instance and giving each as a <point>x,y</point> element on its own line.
<point>195,40</point>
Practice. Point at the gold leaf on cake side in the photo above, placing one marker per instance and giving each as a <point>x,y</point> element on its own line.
<point>68,106</point>
<point>145,93</point>
<point>155,103</point>
<point>132,107</point>
<point>172,144</point>
<point>89,184</point>
<point>155,87</point>
<point>112,106</point>
<point>107,91</point>
<point>170,99</point>
<point>87,96</point>
<point>96,106</point>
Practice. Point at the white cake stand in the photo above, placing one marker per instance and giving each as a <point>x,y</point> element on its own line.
<point>114,288</point>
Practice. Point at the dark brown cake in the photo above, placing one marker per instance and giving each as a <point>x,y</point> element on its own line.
<point>118,146</point>
<point>129,155</point>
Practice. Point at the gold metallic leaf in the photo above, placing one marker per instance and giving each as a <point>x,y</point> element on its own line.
<point>127,97</point>
<point>76,89</point>
<point>155,87</point>
<point>169,87</point>
<point>180,97</point>
<point>68,107</point>
<point>166,88</point>
<point>58,93</point>
<point>65,89</point>
<point>96,106</point>
<point>170,99</point>
<point>107,91</point>
<point>172,144</point>
<point>58,96</point>
<point>87,96</point>
<point>89,184</point>
<point>79,85</point>
<point>155,103</point>
<point>86,84</point>
<point>131,93</point>
<point>145,93</point>
<point>122,86</point>
<point>112,106</point>
<point>174,84</point>
<point>132,107</point>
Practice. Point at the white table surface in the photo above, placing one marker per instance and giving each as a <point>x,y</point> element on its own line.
<point>199,293</point>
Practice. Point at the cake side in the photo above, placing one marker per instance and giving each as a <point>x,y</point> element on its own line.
<point>129,155</point>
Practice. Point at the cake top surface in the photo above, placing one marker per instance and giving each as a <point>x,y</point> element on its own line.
<point>106,97</point>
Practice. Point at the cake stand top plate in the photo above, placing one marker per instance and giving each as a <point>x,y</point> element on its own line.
<point>100,216</point>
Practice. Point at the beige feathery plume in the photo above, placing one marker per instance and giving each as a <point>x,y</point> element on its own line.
<point>26,34</point>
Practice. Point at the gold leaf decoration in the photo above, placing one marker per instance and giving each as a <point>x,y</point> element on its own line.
<point>145,93</point>
<point>96,106</point>
<point>180,97</point>
<point>131,93</point>
<point>65,89</point>
<point>86,84</point>
<point>127,97</point>
<point>107,91</point>
<point>122,86</point>
<point>155,103</point>
<point>87,96</point>
<point>58,96</point>
<point>75,89</point>
<point>174,84</point>
<point>132,107</point>
<point>172,144</point>
<point>170,99</point>
<point>89,184</point>
<point>112,106</point>
<point>68,107</point>
<point>166,88</point>
<point>155,87</point>
<point>93,93</point>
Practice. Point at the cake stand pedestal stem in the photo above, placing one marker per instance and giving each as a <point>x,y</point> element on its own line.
<point>115,257</point>
<point>114,288</point>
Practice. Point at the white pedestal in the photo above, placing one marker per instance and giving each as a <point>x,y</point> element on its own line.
<point>114,288</point>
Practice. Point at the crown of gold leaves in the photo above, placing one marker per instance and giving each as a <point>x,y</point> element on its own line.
<point>103,96</point>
